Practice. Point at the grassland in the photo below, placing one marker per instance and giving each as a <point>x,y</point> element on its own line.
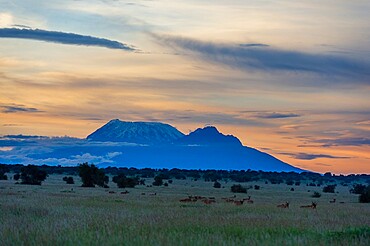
<point>60,214</point>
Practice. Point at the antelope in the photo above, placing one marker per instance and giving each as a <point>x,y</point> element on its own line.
<point>238,203</point>
<point>153,194</point>
<point>111,192</point>
<point>125,192</point>
<point>185,200</point>
<point>284,205</point>
<point>208,201</point>
<point>247,199</point>
<point>333,201</point>
<point>313,205</point>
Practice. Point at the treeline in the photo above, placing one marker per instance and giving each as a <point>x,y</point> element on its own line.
<point>290,178</point>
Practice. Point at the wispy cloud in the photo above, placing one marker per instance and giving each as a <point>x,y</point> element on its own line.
<point>266,58</point>
<point>307,156</point>
<point>14,108</point>
<point>62,38</point>
<point>350,141</point>
<point>275,115</point>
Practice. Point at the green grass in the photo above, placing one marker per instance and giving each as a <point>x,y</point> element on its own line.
<point>53,214</point>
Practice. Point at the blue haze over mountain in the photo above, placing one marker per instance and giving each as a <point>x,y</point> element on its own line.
<point>142,144</point>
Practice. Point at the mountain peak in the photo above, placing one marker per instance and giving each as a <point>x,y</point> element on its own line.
<point>209,135</point>
<point>136,132</point>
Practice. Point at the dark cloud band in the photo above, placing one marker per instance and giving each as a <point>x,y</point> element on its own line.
<point>62,38</point>
<point>263,57</point>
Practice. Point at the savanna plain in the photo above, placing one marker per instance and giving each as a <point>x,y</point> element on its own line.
<point>56,213</point>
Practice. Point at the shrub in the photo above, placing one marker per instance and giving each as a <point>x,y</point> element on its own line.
<point>365,196</point>
<point>289,182</point>
<point>16,176</point>
<point>238,189</point>
<point>170,181</point>
<point>124,182</point>
<point>297,183</point>
<point>165,184</point>
<point>32,175</point>
<point>358,189</point>
<point>257,187</point>
<point>316,194</point>
<point>158,180</point>
<point>217,184</point>
<point>329,188</point>
<point>91,176</point>
<point>68,180</point>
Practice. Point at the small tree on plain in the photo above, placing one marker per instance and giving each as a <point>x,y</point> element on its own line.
<point>365,196</point>
<point>217,184</point>
<point>158,180</point>
<point>329,189</point>
<point>92,175</point>
<point>32,175</point>
<point>238,189</point>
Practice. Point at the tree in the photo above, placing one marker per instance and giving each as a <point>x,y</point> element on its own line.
<point>238,189</point>
<point>92,175</point>
<point>158,180</point>
<point>329,189</point>
<point>68,180</point>
<point>358,189</point>
<point>16,176</point>
<point>217,184</point>
<point>3,170</point>
<point>365,196</point>
<point>124,182</point>
<point>32,175</point>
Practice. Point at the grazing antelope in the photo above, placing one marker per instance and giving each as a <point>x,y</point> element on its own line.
<point>333,201</point>
<point>247,199</point>
<point>284,205</point>
<point>208,201</point>
<point>153,194</point>
<point>238,203</point>
<point>125,192</point>
<point>111,192</point>
<point>313,205</point>
<point>186,200</point>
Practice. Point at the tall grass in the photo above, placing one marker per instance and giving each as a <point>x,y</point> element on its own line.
<point>53,214</point>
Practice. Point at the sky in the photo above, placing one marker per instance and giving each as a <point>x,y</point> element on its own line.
<point>291,78</point>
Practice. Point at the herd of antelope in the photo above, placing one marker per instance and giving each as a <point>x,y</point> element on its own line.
<point>237,202</point>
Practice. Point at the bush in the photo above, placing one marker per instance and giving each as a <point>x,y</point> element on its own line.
<point>3,169</point>
<point>297,183</point>
<point>365,196</point>
<point>158,180</point>
<point>124,182</point>
<point>238,189</point>
<point>329,189</point>
<point>91,176</point>
<point>257,187</point>
<point>217,185</point>
<point>32,175</point>
<point>358,189</point>
<point>289,182</point>
<point>68,180</point>
<point>16,176</point>
<point>165,184</point>
<point>316,194</point>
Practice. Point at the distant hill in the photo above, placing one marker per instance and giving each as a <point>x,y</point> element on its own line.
<point>136,132</point>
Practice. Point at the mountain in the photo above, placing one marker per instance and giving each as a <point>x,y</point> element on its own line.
<point>142,144</point>
<point>136,132</point>
<point>209,136</point>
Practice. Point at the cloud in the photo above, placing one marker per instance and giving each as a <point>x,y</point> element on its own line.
<point>263,58</point>
<point>254,45</point>
<point>276,115</point>
<point>14,108</point>
<point>354,141</point>
<point>306,156</point>
<point>62,38</point>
